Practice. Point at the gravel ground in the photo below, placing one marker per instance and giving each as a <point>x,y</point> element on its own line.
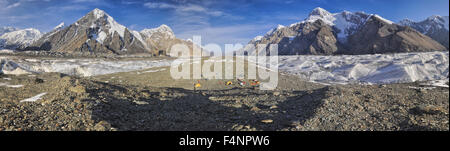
<point>73,103</point>
<point>152,100</point>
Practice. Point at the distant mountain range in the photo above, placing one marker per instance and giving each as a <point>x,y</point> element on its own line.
<point>321,33</point>
<point>13,38</point>
<point>325,33</point>
<point>98,32</point>
<point>435,27</point>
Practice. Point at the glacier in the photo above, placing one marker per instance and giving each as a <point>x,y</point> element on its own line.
<point>344,69</point>
<point>366,69</point>
<point>76,67</point>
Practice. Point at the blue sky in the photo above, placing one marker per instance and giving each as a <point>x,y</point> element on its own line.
<point>217,21</point>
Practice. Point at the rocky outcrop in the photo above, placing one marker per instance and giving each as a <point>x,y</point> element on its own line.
<point>315,38</point>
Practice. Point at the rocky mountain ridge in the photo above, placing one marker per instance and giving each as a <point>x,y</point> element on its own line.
<point>16,38</point>
<point>436,27</point>
<point>325,33</point>
<point>98,32</point>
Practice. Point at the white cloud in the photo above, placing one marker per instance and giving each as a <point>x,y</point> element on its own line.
<point>193,8</point>
<point>15,19</point>
<point>68,8</point>
<point>13,5</point>
<point>129,2</point>
<point>159,5</point>
<point>193,18</point>
<point>222,35</point>
<point>83,1</point>
<point>184,8</point>
<point>8,5</point>
<point>104,3</point>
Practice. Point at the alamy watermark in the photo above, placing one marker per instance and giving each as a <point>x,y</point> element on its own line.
<point>261,62</point>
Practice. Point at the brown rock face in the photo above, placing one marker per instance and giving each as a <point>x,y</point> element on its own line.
<point>316,39</point>
<point>377,36</point>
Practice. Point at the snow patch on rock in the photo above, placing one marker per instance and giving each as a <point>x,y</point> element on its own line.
<point>35,98</point>
<point>60,26</point>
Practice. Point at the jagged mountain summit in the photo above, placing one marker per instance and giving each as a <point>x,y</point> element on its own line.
<point>345,23</point>
<point>325,33</point>
<point>161,39</point>
<point>436,27</point>
<point>98,32</point>
<point>162,32</point>
<point>19,38</point>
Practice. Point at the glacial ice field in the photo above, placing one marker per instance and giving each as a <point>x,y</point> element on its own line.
<point>77,67</point>
<point>368,69</point>
<point>364,69</point>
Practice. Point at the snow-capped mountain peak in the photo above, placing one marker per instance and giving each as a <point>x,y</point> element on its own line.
<point>103,23</point>
<point>344,32</point>
<point>432,22</point>
<point>19,38</point>
<point>165,27</point>
<point>319,12</point>
<point>434,18</point>
<point>346,22</point>
<point>98,32</point>
<point>322,14</point>
<point>98,13</point>
<point>436,27</point>
<point>441,20</point>
<point>164,31</point>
